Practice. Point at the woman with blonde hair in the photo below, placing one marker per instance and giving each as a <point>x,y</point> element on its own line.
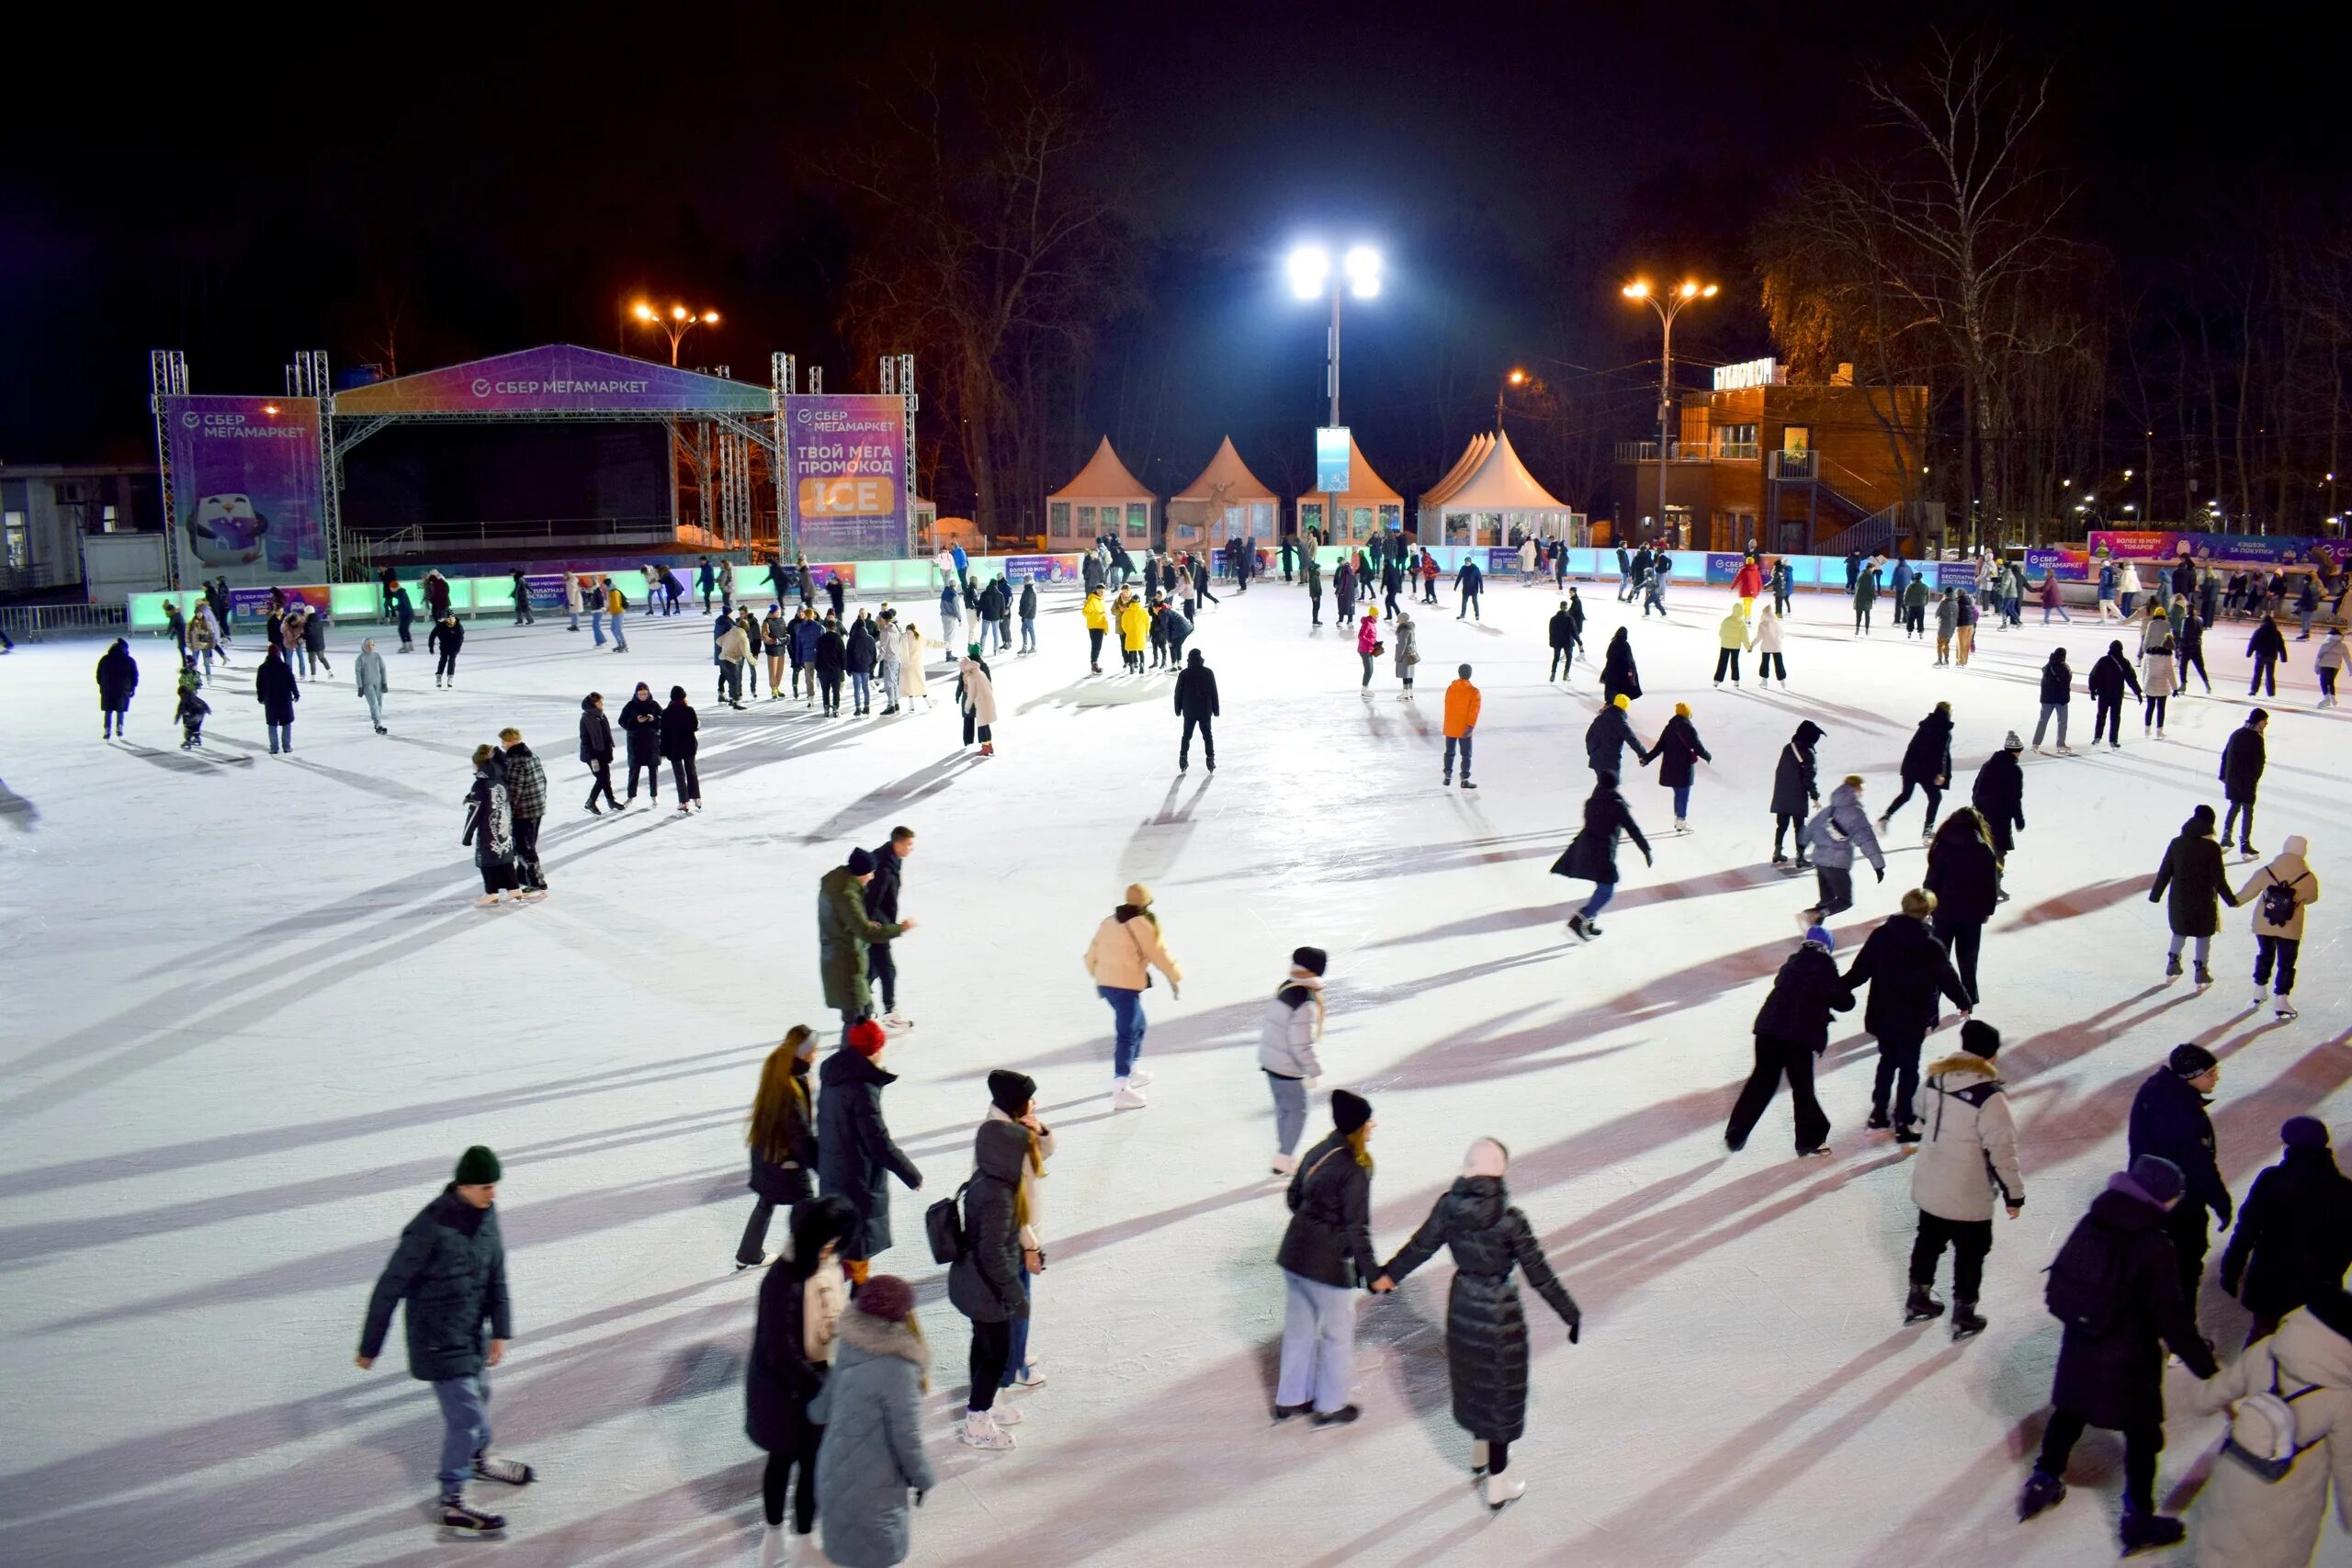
<point>1126,949</point>
<point>783,1139</point>
<point>1326,1258</point>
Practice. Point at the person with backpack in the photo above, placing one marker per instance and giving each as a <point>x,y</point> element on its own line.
<point>2242,759</point>
<point>1795,792</point>
<point>2280,893</point>
<point>1969,1156</point>
<point>1791,1029</point>
<point>801,1303</point>
<point>2115,1286</point>
<point>2192,883</point>
<point>1326,1257</point>
<point>1288,1029</point>
<point>2292,1241</point>
<point>855,1153</point>
<point>1127,947</point>
<point>2169,1120</point>
<point>1906,968</point>
<point>783,1141</point>
<point>1486,1327</point>
<point>2289,1400</point>
<point>984,1275</point>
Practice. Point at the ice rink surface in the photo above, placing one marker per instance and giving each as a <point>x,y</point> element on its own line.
<point>253,1016</point>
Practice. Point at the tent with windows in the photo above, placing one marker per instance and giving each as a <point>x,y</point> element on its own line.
<point>1225,502</point>
<point>1096,502</point>
<point>1426,526</point>
<point>1490,494</point>
<point>1367,506</point>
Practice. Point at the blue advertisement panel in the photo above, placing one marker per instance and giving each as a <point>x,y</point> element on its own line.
<point>247,484</point>
<point>1041,569</point>
<point>1333,473</point>
<point>1723,567</point>
<point>1500,558</point>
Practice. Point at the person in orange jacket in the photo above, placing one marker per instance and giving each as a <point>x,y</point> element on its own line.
<point>1461,718</point>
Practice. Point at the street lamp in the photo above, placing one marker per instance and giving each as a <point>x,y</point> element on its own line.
<point>1669,303</point>
<point>1516,379</point>
<point>676,324</point>
<point>1310,276</point>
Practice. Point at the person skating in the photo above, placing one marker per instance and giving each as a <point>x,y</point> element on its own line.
<point>1682,750</point>
<point>1408,652</point>
<point>1731,638</point>
<point>448,636</point>
<point>830,661</point>
<point>1591,855</point>
<point>642,730</point>
<point>846,933</point>
<point>2169,1120</point>
<point>448,1277</point>
<point>489,828</point>
<point>2328,661</point>
<point>912,682</point>
<point>1012,1101</point>
<point>1767,643</point>
<point>1794,793</point>
<point>1913,608</point>
<point>1947,624</point>
<point>1311,572</point>
<point>2189,884</point>
<point>976,698</point>
<point>1791,1029</point>
<point>2159,678</point>
<point>1486,1327</point>
<point>2190,650</point>
<point>191,707</point>
<point>1460,725</point>
<point>1467,585</point>
<point>1135,633</point>
<point>1618,676</point>
<point>616,610</point>
<point>1127,947</point>
<point>1865,598</point>
<point>1369,647</point>
<point>2116,1288</point>
<point>573,596</point>
<point>204,641</point>
<point>367,674</point>
<point>871,1411</point>
<point>118,675</point>
<point>1178,627</point>
<point>1326,1257</point>
<point>2057,696</point>
<point>2292,1241</point>
<point>984,1281</point>
<point>1098,622</point>
<point>2109,679</point>
<point>856,1156</point>
<point>800,647</point>
<point>1028,610</point>
<point>527,786</point>
<point>1196,705</point>
<point>1906,969</point>
<point>1998,795</point>
<point>2290,1402</point>
<point>2267,649</point>
<point>2280,892</point>
<point>276,690</point>
<point>889,644</point>
<point>1969,1157</point>
<point>1564,642</point>
<point>881,900</point>
<point>1288,1030</point>
<point>1926,767</point>
<point>782,1137</point>
<point>1833,832</point>
<point>1964,875</point>
<point>1608,736</point>
<point>680,728</point>
<point>1344,584</point>
<point>314,644</point>
<point>596,752</point>
<point>2243,756</point>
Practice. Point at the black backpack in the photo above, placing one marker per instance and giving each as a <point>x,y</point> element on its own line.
<point>2083,1290</point>
<point>2278,902</point>
<point>943,1226</point>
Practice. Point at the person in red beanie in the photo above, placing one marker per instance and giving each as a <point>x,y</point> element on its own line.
<point>855,1154</point>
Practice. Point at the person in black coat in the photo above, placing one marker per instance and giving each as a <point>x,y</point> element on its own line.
<point>1965,877</point>
<point>833,659</point>
<point>2111,1366</point>
<point>1196,705</point>
<point>1326,1257</point>
<point>2190,881</point>
<point>2243,758</point>
<point>984,1282</point>
<point>641,730</point>
<point>1606,738</point>
<point>1466,584</point>
<point>836,595</point>
<point>882,903</point>
<point>782,1138</point>
<point>1682,750</point>
<point>1999,798</point>
<point>2057,696</point>
<point>855,1155</point>
<point>2267,649</point>
<point>1906,968</point>
<point>679,725</point>
<point>1486,1328</point>
<point>780,1380</point>
<point>2168,1121</point>
<point>1926,766</point>
<point>276,690</point>
<point>2293,1239</point>
<point>1791,1029</point>
<point>1564,642</point>
<point>1794,790</point>
<point>1618,676</point>
<point>2109,679</point>
<point>1591,855</point>
<point>597,750</point>
<point>117,678</point>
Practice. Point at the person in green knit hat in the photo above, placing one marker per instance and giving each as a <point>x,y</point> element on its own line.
<point>450,1270</point>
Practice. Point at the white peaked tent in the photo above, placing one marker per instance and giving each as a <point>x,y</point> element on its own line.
<point>1426,515</point>
<point>1227,501</point>
<point>1093,503</point>
<point>1495,495</point>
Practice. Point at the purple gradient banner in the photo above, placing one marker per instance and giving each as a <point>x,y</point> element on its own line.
<point>846,472</point>
<point>246,485</point>
<point>558,378</point>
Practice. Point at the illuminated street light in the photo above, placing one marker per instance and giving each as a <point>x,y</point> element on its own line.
<point>1362,265</point>
<point>1310,269</point>
<point>1310,275</point>
<point>1517,378</point>
<point>676,325</point>
<point>1667,309</point>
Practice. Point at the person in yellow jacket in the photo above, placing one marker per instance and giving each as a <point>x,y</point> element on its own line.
<point>1135,632</point>
<point>614,605</point>
<point>1097,620</point>
<point>1731,636</point>
<point>1461,718</point>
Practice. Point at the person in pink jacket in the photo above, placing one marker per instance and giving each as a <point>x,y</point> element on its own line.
<point>1368,643</point>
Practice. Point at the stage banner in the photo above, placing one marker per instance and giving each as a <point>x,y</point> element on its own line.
<point>247,483</point>
<point>558,378</point>
<point>844,469</point>
<point>1041,569</point>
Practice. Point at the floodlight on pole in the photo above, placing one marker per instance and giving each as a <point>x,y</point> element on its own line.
<point>1310,276</point>
<point>1362,266</point>
<point>1668,307</point>
<point>1310,269</point>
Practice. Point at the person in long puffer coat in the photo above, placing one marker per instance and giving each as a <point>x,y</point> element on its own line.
<point>1591,855</point>
<point>801,1303</point>
<point>1486,1328</point>
<point>2189,884</point>
<point>117,678</point>
<point>856,1156</point>
<point>2293,1238</point>
<point>2243,1519</point>
<point>1682,750</point>
<point>276,689</point>
<point>490,827</point>
<point>1618,676</point>
<point>871,1409</point>
<point>1966,876</point>
<point>1794,791</point>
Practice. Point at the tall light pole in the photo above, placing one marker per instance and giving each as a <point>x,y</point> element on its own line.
<point>1668,304</point>
<point>677,323</point>
<point>1310,275</point>
<point>1516,379</point>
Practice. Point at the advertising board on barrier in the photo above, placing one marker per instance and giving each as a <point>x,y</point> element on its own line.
<point>845,474</point>
<point>247,486</point>
<point>2072,566</point>
<point>252,603</point>
<point>1501,558</point>
<point>1722,566</point>
<point>2223,549</point>
<point>1041,569</point>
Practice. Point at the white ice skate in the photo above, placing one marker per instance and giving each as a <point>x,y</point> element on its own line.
<point>1282,1164</point>
<point>2285,1010</point>
<point>980,1432</point>
<point>894,1019</point>
<point>1125,1098</point>
<point>1140,1078</point>
<point>1502,1492</point>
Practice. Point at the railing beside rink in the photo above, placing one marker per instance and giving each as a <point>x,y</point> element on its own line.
<point>39,623</point>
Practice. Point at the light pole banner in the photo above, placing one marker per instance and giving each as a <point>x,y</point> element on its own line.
<point>247,486</point>
<point>845,475</point>
<point>1333,472</point>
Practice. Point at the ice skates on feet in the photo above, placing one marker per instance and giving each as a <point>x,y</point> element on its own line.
<point>2042,1493</point>
<point>1125,1096</point>
<point>457,1518</point>
<point>1502,1490</point>
<point>1282,1164</point>
<point>980,1431</point>
<point>1921,1305</point>
<point>509,1472</point>
<point>2147,1532</point>
<point>1965,1321</point>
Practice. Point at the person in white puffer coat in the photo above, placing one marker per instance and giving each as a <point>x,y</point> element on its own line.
<point>1969,1152</point>
<point>1287,1031</point>
<point>2241,1520</point>
<point>1766,645</point>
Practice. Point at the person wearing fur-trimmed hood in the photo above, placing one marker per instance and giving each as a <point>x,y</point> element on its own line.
<point>1486,1329</point>
<point>871,1409</point>
<point>1969,1153</point>
<point>2241,1518</point>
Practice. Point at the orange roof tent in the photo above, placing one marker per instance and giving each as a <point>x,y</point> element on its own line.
<point>1224,502</point>
<point>1369,503</point>
<point>1094,503</point>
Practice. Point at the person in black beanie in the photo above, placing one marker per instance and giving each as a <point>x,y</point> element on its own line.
<point>2168,1121</point>
<point>1326,1258</point>
<point>450,1272</point>
<point>1013,1097</point>
<point>1969,1154</point>
<point>2293,1238</point>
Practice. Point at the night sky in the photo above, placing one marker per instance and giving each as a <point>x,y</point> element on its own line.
<point>241,184</point>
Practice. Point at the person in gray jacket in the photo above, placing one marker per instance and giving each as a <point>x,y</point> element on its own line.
<point>984,1282</point>
<point>1970,1153</point>
<point>871,1409</point>
<point>1833,831</point>
<point>369,671</point>
<point>1288,1029</point>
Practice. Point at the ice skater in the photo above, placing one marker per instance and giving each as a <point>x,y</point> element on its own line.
<point>368,672</point>
<point>1326,1257</point>
<point>1461,726</point>
<point>447,637</point>
<point>118,676</point>
<point>596,751</point>
<point>2189,884</point>
<point>1408,652</point>
<point>1767,645</point>
<point>1731,638</point>
<point>1468,583</point>
<point>1793,1029</point>
<point>1964,875</point>
<point>1682,750</point>
<point>1906,969</point>
<point>1833,831</point>
<point>192,706</point>
<point>1969,1158</point>
<point>1591,855</point>
<point>2244,757</point>
<point>855,1153</point>
<point>1289,1027</point>
<point>1926,767</point>
<point>1794,793</point>
<point>1127,947</point>
<point>1619,678</point>
<point>681,727</point>
<point>1196,705</point>
<point>2280,893</point>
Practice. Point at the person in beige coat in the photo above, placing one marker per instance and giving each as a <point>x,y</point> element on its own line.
<point>2276,943</point>
<point>2159,678</point>
<point>976,696</point>
<point>1127,947</point>
<point>912,683</point>
<point>1968,1152</point>
<point>2240,1519</point>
